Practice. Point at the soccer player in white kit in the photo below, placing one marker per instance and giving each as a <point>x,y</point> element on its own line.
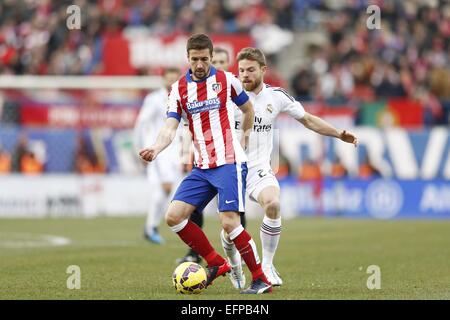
<point>166,171</point>
<point>262,186</point>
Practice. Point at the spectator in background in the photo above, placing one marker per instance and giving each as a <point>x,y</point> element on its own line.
<point>336,84</point>
<point>309,170</point>
<point>269,37</point>
<point>30,165</point>
<point>5,161</point>
<point>386,81</point>
<point>284,168</point>
<point>303,84</point>
<point>367,170</point>
<point>338,170</point>
<point>20,150</point>
<point>87,162</point>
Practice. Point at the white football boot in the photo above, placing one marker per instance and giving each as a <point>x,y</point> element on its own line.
<point>272,275</point>
<point>237,277</point>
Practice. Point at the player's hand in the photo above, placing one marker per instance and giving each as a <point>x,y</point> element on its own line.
<point>149,154</point>
<point>348,137</point>
<point>244,142</point>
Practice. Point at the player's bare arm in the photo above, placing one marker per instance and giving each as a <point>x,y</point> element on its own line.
<point>187,151</point>
<point>248,117</point>
<point>322,127</point>
<point>165,138</point>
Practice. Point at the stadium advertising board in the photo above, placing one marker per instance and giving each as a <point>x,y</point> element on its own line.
<point>376,198</point>
<point>72,196</point>
<point>145,51</point>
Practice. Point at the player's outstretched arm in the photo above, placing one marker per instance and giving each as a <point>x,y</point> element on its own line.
<point>165,138</point>
<point>248,117</point>
<point>322,127</point>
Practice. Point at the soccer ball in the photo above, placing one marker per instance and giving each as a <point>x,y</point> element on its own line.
<point>189,278</point>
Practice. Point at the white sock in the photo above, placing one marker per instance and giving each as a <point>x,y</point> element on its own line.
<point>270,235</point>
<point>161,208</point>
<point>230,250</point>
<point>152,214</point>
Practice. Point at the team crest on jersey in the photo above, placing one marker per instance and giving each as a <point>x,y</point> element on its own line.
<point>217,87</point>
<point>269,108</point>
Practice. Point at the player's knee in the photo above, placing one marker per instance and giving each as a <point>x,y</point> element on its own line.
<point>272,208</point>
<point>172,218</point>
<point>229,225</point>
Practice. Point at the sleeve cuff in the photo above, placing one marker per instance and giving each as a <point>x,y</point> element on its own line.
<point>240,99</point>
<point>174,115</point>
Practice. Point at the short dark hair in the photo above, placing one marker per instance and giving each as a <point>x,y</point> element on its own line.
<point>199,41</point>
<point>252,54</point>
<point>221,50</point>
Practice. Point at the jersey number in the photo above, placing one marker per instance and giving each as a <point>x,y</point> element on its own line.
<point>261,173</point>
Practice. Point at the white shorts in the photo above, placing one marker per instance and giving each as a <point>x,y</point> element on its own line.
<point>164,170</point>
<point>258,178</point>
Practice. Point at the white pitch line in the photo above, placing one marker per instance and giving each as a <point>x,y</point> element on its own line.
<point>18,240</point>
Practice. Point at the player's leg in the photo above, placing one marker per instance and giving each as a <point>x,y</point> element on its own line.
<point>154,213</point>
<point>270,230</point>
<point>195,192</point>
<point>243,220</point>
<point>191,255</point>
<point>164,174</point>
<point>263,188</point>
<point>151,231</point>
<point>237,276</point>
<point>231,189</point>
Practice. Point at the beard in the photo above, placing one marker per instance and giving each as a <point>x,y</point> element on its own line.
<point>252,85</point>
<point>200,74</point>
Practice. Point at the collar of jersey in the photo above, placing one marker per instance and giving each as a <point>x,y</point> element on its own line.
<point>212,71</point>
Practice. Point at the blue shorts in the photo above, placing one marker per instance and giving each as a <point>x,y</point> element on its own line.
<point>202,185</point>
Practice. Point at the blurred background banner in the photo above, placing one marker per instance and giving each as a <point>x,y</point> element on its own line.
<point>408,170</point>
<point>69,100</point>
<point>165,51</point>
<point>73,196</point>
<point>374,198</point>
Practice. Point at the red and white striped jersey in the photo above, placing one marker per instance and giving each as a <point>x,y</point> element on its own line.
<point>207,106</point>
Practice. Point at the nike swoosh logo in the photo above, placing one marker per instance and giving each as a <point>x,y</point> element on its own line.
<point>227,202</point>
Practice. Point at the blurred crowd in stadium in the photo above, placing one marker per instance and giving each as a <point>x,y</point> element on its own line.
<point>408,57</point>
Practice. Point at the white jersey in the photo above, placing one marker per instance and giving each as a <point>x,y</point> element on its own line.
<point>149,122</point>
<point>268,103</point>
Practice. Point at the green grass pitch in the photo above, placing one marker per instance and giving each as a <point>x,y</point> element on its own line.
<point>317,258</point>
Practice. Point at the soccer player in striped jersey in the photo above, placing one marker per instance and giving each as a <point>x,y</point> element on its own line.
<point>221,61</point>
<point>204,97</point>
<point>262,186</point>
